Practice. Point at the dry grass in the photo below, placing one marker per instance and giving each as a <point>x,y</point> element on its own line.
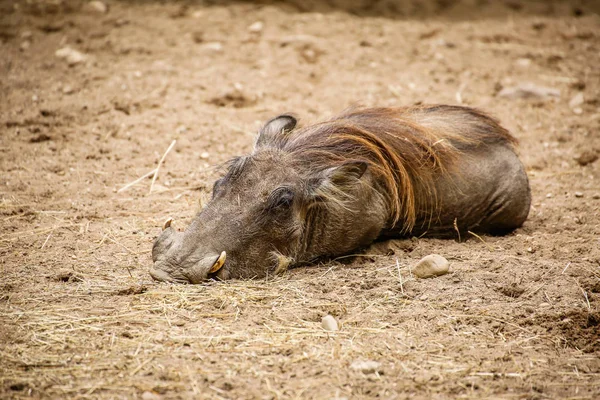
<point>113,333</point>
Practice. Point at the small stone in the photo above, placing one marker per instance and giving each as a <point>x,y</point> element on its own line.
<point>529,91</point>
<point>523,62</point>
<point>329,323</point>
<point>25,45</point>
<point>68,89</point>
<point>538,26</point>
<point>217,47</point>
<point>578,110</point>
<point>34,98</point>
<point>430,266</point>
<point>596,196</point>
<point>586,157</point>
<point>205,155</point>
<point>576,101</point>
<point>578,84</point>
<point>98,7</point>
<point>310,56</point>
<point>549,195</point>
<point>198,36</point>
<point>71,56</point>
<point>543,305</point>
<point>150,396</point>
<point>366,367</point>
<point>578,194</point>
<point>256,27</point>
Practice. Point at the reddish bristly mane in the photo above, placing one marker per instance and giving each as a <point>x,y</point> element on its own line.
<point>405,148</point>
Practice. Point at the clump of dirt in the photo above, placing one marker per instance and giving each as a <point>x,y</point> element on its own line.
<point>578,329</point>
<point>135,289</point>
<point>233,98</point>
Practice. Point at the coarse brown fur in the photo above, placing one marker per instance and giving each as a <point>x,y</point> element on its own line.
<point>404,147</point>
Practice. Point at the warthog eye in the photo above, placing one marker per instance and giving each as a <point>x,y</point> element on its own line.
<point>281,198</point>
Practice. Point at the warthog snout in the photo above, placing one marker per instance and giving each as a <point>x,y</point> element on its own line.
<point>197,273</point>
<point>166,255</point>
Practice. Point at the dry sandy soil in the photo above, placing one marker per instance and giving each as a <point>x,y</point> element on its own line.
<point>517,317</point>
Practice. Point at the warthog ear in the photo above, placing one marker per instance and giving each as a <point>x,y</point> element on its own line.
<point>334,182</point>
<point>275,129</point>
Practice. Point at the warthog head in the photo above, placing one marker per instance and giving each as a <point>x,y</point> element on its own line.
<point>288,202</point>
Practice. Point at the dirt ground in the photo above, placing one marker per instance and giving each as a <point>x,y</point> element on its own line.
<point>517,317</point>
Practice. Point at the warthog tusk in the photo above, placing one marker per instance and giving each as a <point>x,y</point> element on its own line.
<point>219,263</point>
<point>167,223</point>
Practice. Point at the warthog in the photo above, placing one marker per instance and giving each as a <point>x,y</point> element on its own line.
<point>331,188</point>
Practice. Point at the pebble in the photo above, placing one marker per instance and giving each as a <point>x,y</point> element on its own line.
<point>198,36</point>
<point>430,266</point>
<point>542,305</point>
<point>586,157</point>
<point>68,89</point>
<point>523,62</point>
<point>71,56</point>
<point>205,155</point>
<point>25,45</point>
<point>217,47</point>
<point>98,7</point>
<point>150,396</point>
<point>578,194</point>
<point>576,101</point>
<point>529,91</point>
<point>256,27</point>
<point>596,196</point>
<point>366,367</point>
<point>329,323</point>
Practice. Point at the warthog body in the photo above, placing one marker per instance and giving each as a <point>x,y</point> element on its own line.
<point>331,188</point>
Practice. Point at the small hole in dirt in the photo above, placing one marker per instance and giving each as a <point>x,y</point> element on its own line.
<point>17,387</point>
<point>592,320</point>
<point>67,276</point>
